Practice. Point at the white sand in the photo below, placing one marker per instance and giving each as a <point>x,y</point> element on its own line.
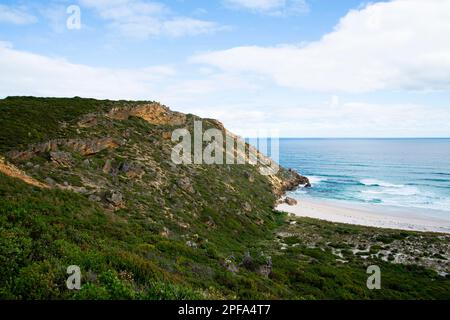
<point>366,216</point>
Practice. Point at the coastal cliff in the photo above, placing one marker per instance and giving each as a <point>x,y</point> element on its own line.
<point>91,183</point>
<point>93,133</point>
<point>99,173</point>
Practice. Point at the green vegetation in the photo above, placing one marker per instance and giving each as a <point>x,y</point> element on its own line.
<point>26,120</point>
<point>180,232</point>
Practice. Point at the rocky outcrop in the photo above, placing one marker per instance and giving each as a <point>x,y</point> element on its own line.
<point>107,167</point>
<point>287,180</point>
<point>89,147</point>
<point>290,201</point>
<point>83,146</point>
<point>247,261</point>
<point>12,171</point>
<point>294,180</point>
<point>88,121</point>
<point>266,269</point>
<point>62,159</point>
<point>132,170</point>
<point>153,113</point>
<point>115,198</point>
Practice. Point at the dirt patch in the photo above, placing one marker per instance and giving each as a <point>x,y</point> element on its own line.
<point>13,171</point>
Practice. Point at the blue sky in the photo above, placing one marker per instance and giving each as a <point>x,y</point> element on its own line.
<point>306,68</point>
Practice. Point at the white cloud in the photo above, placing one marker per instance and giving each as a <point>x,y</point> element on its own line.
<point>178,27</point>
<point>26,73</point>
<point>402,44</point>
<point>15,15</point>
<point>271,7</point>
<point>143,19</point>
<point>242,104</point>
<point>350,119</point>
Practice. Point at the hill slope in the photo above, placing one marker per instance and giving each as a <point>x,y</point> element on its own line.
<point>90,183</point>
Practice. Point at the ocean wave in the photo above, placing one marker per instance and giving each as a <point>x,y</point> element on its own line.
<point>396,191</point>
<point>435,180</point>
<point>441,173</point>
<point>380,183</point>
<point>299,192</point>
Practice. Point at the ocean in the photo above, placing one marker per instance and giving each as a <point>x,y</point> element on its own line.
<point>397,173</point>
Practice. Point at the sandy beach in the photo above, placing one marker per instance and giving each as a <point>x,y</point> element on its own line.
<point>401,219</point>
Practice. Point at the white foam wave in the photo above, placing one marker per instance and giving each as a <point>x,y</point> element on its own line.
<point>380,183</point>
<point>315,180</point>
<point>397,191</point>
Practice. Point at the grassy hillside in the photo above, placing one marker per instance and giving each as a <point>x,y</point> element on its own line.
<point>140,227</point>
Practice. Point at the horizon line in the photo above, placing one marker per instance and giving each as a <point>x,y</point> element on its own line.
<point>344,138</point>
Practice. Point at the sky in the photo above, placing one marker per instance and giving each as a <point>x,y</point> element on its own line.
<point>293,68</point>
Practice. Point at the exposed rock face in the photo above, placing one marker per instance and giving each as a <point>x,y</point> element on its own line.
<point>167,135</point>
<point>115,198</point>
<point>12,171</point>
<point>84,147</point>
<point>93,146</point>
<point>89,120</point>
<point>153,113</point>
<point>287,180</point>
<point>132,170</point>
<point>63,159</point>
<point>107,167</point>
<point>294,180</point>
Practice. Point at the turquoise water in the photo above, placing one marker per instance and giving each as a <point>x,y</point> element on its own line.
<point>403,173</point>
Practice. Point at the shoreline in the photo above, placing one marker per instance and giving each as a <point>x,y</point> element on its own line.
<point>387,218</point>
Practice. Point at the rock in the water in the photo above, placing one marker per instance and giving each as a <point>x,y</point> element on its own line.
<point>153,113</point>
<point>93,146</point>
<point>290,201</point>
<point>295,180</point>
